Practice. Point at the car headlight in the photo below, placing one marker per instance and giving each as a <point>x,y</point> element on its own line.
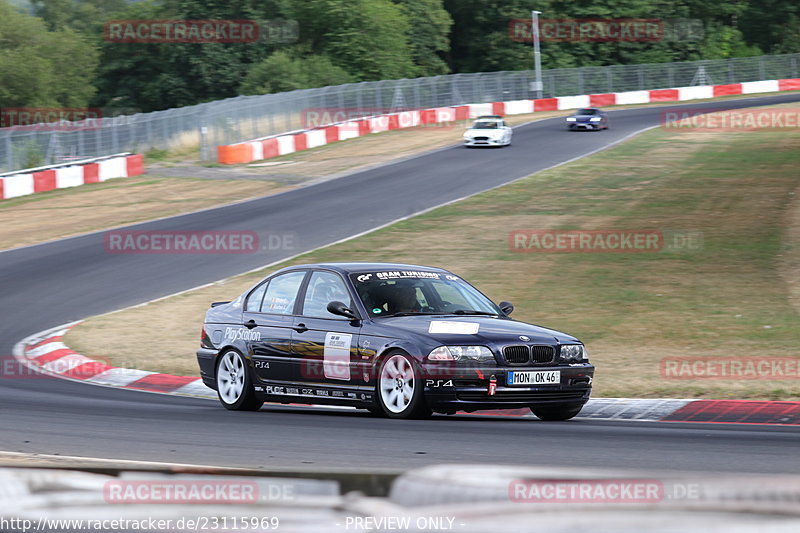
<point>573,353</point>
<point>595,119</point>
<point>462,353</point>
<point>571,119</point>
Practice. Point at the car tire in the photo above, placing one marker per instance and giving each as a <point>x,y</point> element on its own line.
<point>399,390</point>
<point>234,386</point>
<point>557,411</point>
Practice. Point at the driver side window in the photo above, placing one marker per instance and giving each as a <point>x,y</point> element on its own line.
<point>323,288</point>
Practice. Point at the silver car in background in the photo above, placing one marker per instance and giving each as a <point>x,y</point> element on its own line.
<point>488,130</point>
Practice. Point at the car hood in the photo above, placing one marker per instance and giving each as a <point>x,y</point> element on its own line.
<point>486,133</point>
<point>457,329</point>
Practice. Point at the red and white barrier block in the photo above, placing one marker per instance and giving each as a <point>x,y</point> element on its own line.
<point>256,150</point>
<point>95,170</point>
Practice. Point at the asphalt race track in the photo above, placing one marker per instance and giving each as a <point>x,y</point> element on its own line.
<point>54,283</point>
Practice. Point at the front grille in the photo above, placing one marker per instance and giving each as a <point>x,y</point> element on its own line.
<point>542,355</point>
<point>519,396</point>
<point>481,138</point>
<point>517,355</point>
<point>529,355</point>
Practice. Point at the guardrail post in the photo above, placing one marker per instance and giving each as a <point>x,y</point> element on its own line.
<point>9,153</point>
<point>114,139</point>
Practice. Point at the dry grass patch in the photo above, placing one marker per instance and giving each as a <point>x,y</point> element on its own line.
<point>65,212</point>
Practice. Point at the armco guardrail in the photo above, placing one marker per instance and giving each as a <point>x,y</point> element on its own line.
<point>265,148</point>
<point>249,117</point>
<point>73,174</point>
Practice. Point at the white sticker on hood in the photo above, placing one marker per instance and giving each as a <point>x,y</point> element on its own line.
<point>457,328</point>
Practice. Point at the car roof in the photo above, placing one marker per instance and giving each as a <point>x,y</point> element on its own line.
<point>356,266</point>
<point>489,117</point>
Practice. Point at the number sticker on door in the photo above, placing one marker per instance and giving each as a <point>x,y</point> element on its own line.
<point>336,362</point>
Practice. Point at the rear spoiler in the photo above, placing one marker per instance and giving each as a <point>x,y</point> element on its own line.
<point>215,304</point>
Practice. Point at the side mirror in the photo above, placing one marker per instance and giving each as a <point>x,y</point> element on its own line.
<point>339,308</point>
<point>507,307</point>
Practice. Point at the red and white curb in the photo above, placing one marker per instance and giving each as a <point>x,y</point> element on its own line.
<point>95,170</point>
<point>290,142</point>
<point>46,352</point>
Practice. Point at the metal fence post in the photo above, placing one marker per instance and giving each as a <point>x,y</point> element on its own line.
<point>9,152</point>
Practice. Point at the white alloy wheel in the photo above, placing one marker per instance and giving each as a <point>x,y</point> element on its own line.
<point>397,383</point>
<point>230,377</point>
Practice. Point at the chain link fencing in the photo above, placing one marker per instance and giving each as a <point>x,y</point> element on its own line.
<point>249,117</point>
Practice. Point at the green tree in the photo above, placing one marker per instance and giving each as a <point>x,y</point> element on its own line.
<point>85,16</point>
<point>40,67</point>
<point>367,38</point>
<point>772,25</point>
<point>283,72</point>
<point>152,76</point>
<point>480,39</point>
<point>428,34</point>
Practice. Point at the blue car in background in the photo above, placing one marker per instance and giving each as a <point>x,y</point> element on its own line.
<point>589,118</point>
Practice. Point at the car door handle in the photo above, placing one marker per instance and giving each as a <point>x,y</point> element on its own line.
<point>250,324</point>
<point>300,328</point>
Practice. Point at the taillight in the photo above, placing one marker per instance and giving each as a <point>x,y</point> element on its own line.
<point>205,340</point>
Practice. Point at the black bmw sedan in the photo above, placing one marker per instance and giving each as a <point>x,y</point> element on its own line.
<point>402,341</point>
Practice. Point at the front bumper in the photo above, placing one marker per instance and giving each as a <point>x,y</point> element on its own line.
<point>584,125</point>
<point>454,389</point>
<point>487,142</point>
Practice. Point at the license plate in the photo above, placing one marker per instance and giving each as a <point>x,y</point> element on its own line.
<point>536,377</point>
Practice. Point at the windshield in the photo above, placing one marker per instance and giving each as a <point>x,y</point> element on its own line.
<point>413,292</point>
<point>587,112</point>
<point>485,125</point>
